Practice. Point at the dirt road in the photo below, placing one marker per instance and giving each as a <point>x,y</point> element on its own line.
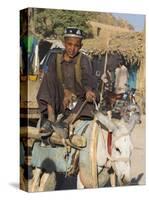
<point>138,155</point>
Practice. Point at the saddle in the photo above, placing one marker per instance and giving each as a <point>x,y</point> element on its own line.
<point>64,153</point>
<point>58,134</point>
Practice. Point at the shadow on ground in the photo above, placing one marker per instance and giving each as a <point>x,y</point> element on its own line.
<point>136,180</point>
<point>15,185</point>
<point>66,183</point>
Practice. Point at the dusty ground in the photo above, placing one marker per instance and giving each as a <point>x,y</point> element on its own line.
<point>138,155</point>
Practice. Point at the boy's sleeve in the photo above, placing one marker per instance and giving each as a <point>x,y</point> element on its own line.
<point>46,90</point>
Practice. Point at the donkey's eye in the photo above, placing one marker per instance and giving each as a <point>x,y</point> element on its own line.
<point>118,150</point>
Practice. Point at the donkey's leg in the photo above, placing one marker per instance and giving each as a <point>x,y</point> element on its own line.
<point>47,182</point>
<point>79,183</point>
<point>35,180</point>
<point>109,113</point>
<point>113,179</point>
<point>103,176</point>
<point>22,179</point>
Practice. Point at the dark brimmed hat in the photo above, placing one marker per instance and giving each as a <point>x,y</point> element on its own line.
<point>73,32</point>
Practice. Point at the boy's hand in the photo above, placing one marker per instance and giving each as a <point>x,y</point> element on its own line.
<point>67,98</point>
<point>90,95</point>
<point>104,78</point>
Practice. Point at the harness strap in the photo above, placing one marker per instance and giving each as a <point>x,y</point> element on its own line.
<point>58,67</point>
<point>77,68</point>
<point>109,143</point>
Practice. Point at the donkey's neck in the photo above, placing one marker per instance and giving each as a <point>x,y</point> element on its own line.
<point>131,124</point>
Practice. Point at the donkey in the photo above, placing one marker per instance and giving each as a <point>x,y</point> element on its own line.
<point>116,161</point>
<point>97,162</point>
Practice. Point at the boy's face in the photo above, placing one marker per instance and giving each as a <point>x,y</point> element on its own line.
<point>72,46</point>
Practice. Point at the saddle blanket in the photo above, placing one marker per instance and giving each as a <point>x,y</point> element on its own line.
<point>55,158</point>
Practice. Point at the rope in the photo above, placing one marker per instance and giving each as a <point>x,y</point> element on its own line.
<point>105,68</point>
<point>78,112</point>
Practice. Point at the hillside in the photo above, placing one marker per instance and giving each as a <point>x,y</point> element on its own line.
<point>52,22</point>
<point>109,19</point>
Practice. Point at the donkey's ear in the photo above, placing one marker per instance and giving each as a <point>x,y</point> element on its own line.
<point>104,120</point>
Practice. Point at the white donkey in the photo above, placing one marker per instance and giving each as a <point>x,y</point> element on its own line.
<point>121,148</point>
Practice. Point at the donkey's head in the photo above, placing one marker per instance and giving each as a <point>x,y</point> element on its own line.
<point>132,112</point>
<point>121,148</point>
<point>121,154</point>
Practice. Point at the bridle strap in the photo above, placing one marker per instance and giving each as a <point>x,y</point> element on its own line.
<point>109,143</point>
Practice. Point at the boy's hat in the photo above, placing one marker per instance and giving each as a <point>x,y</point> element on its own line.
<point>73,32</point>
